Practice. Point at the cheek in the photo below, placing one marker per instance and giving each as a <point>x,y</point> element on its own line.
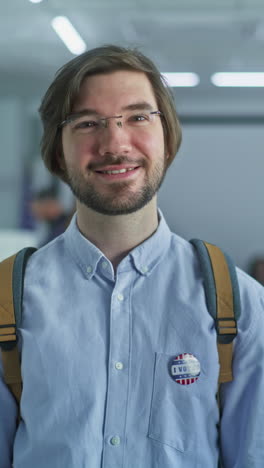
<point>76,151</point>
<point>152,144</point>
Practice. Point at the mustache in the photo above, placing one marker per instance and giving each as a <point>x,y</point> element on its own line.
<point>118,160</point>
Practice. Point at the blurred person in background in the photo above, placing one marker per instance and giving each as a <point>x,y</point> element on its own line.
<point>52,203</point>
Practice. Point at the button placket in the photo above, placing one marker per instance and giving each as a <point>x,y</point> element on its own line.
<point>118,372</point>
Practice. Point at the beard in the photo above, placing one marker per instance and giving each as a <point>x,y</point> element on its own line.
<point>120,199</point>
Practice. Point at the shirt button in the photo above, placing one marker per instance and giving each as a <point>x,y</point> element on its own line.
<point>120,297</point>
<point>89,269</point>
<point>115,440</point>
<point>105,265</point>
<point>144,269</point>
<point>119,365</point>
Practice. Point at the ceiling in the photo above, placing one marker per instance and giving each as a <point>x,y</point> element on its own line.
<point>202,36</point>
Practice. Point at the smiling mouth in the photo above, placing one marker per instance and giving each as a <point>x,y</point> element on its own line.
<point>112,174</point>
<point>118,171</point>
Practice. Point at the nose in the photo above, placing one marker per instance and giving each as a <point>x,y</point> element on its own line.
<point>114,139</point>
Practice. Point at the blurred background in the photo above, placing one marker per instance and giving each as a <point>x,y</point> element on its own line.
<point>214,189</point>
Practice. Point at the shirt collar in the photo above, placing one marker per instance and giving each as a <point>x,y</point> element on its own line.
<point>148,255</point>
<point>145,257</point>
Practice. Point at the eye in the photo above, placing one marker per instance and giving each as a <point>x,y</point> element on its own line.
<point>86,124</point>
<point>139,118</point>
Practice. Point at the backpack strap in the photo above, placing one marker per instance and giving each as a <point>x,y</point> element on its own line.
<point>12,272</point>
<point>223,300</point>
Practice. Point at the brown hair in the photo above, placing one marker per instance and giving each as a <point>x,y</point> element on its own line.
<point>61,95</point>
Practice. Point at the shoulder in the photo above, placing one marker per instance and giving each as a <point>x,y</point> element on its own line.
<point>183,258</point>
<point>180,270</point>
<point>250,290</point>
<point>183,254</point>
<point>47,257</point>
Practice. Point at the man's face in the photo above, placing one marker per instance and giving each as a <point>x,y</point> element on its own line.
<point>131,144</point>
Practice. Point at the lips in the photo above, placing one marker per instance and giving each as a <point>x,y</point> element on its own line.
<point>116,169</point>
<point>116,173</point>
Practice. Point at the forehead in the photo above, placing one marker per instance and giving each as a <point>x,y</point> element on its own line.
<point>115,90</point>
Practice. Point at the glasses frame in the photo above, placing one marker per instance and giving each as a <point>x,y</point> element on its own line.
<point>73,117</point>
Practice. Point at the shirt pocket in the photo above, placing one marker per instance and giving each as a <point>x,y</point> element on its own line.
<point>173,416</point>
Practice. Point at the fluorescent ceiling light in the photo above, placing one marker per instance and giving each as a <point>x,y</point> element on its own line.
<point>68,35</point>
<point>181,79</point>
<point>240,80</point>
<point>35,1</point>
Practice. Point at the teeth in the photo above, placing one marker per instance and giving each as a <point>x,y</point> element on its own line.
<point>121,171</point>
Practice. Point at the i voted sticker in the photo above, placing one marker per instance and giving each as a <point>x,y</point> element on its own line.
<point>184,369</point>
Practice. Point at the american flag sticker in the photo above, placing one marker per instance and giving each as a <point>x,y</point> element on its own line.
<point>185,369</point>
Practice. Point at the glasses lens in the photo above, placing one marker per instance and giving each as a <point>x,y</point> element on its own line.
<point>91,123</point>
<point>85,124</point>
<point>140,119</point>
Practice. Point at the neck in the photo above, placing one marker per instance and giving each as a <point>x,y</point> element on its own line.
<point>116,236</point>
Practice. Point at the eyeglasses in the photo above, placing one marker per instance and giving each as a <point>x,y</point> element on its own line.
<point>91,123</point>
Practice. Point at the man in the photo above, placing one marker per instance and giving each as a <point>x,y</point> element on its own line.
<point>111,302</point>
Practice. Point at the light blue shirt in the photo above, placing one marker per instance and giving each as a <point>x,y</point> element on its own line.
<point>96,352</point>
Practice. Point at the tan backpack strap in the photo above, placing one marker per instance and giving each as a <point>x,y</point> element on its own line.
<point>12,372</point>
<point>7,315</point>
<point>226,323</point>
<point>8,338</point>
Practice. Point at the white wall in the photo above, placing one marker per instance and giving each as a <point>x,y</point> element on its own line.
<point>15,141</point>
<point>214,190</point>
<point>10,174</point>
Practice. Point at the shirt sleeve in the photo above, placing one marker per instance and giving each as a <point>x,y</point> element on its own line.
<point>8,415</point>
<point>242,428</point>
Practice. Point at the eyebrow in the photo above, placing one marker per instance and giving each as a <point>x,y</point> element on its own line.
<point>142,105</point>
